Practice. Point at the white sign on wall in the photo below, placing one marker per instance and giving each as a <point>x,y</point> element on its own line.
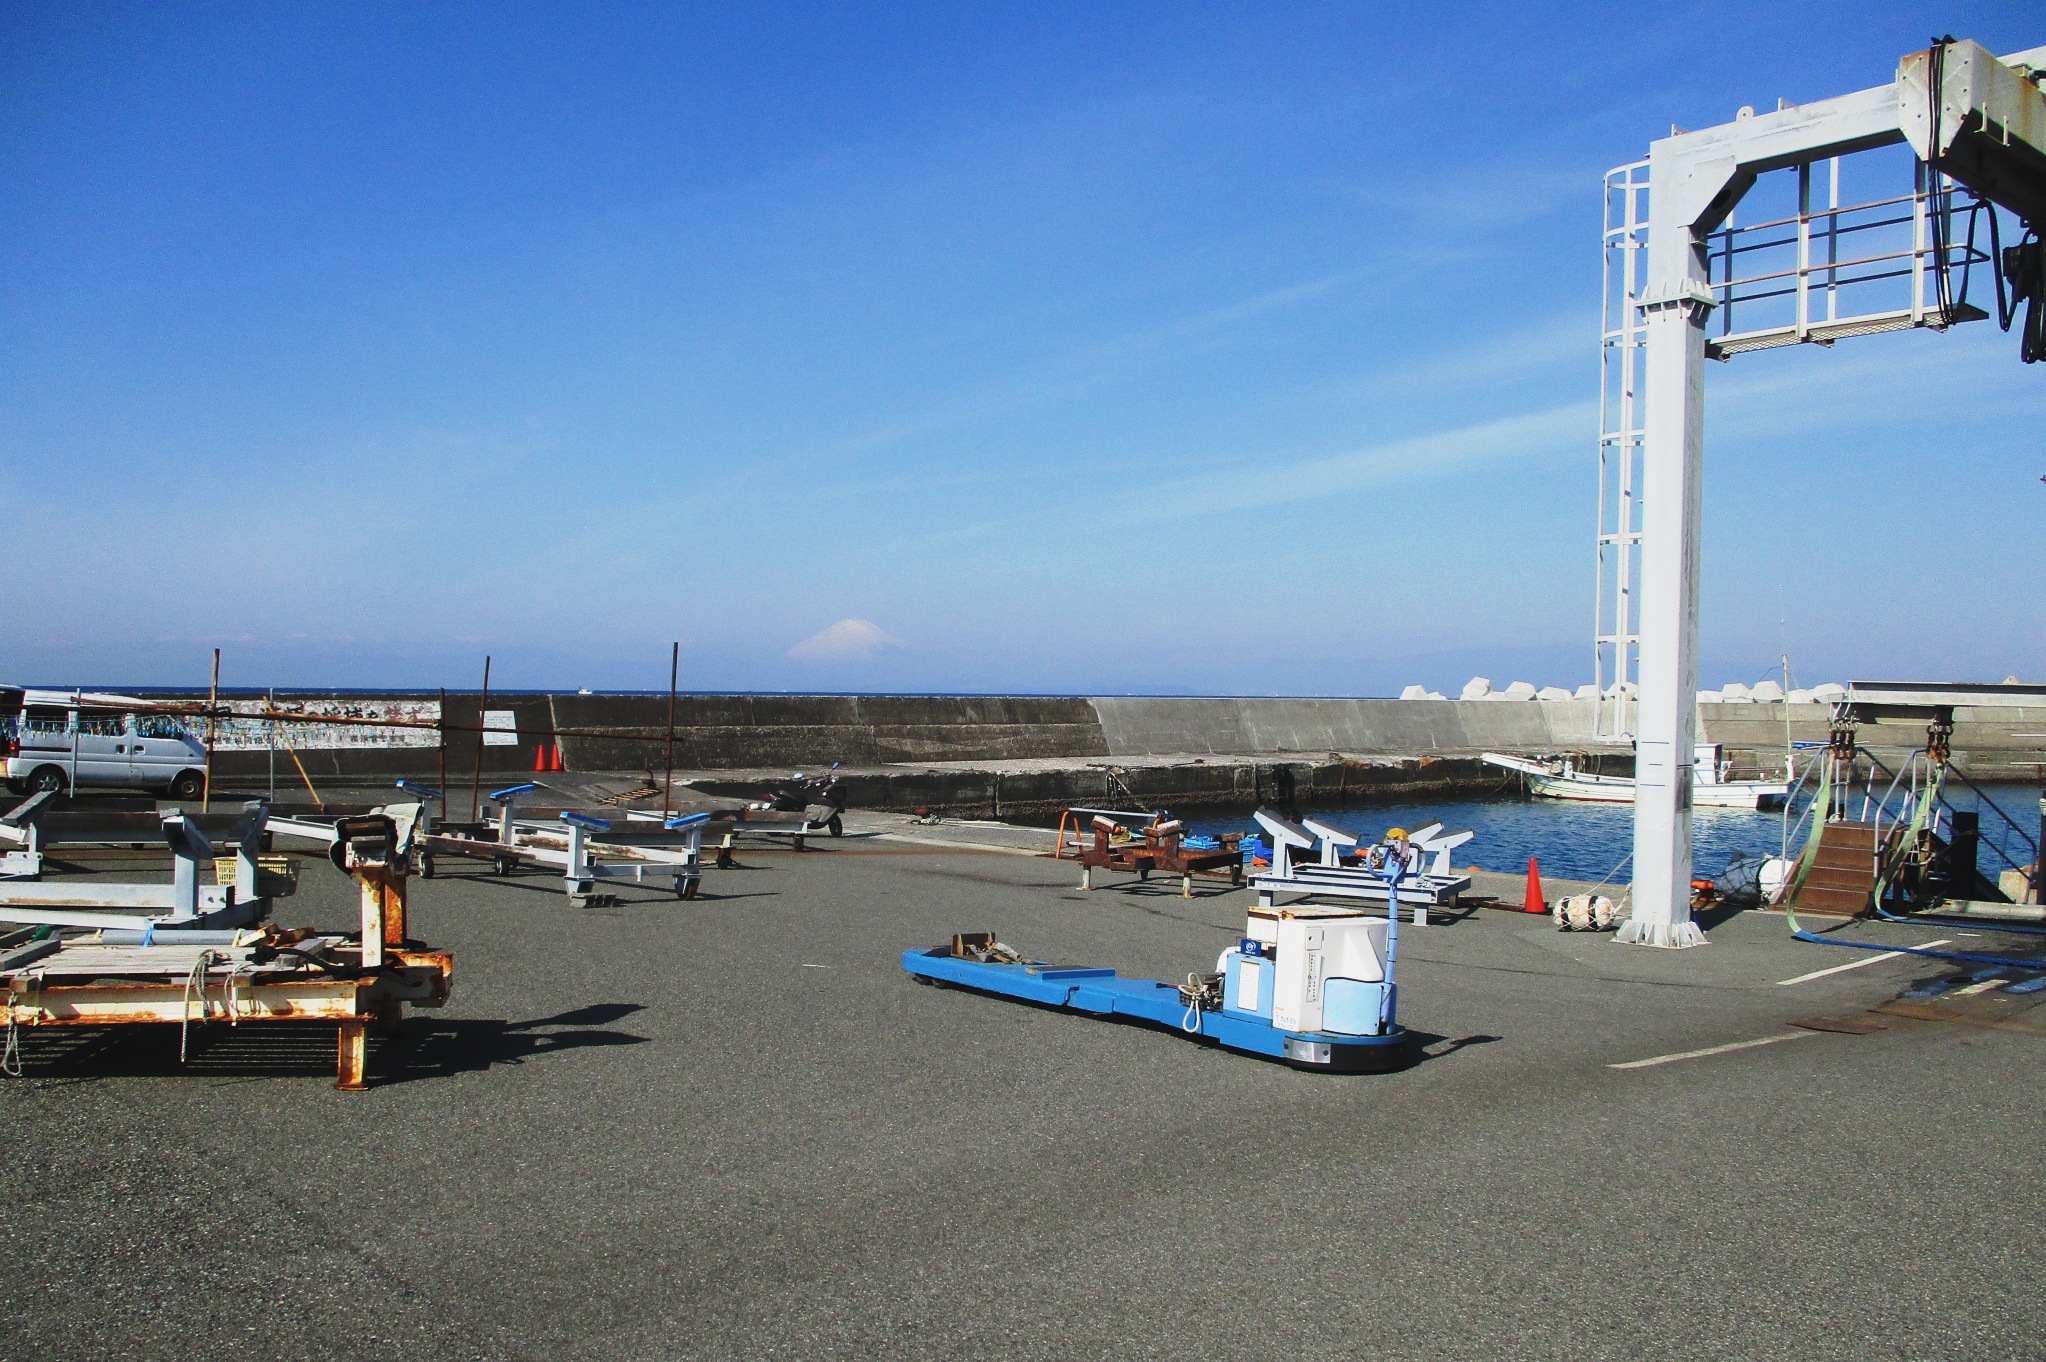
<point>500,728</point>
<point>255,735</point>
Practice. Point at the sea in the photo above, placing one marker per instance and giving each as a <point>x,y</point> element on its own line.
<point>1594,841</point>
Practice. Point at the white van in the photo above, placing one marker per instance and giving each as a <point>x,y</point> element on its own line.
<point>76,740</point>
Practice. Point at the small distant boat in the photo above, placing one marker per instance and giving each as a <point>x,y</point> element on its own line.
<point>1559,778</point>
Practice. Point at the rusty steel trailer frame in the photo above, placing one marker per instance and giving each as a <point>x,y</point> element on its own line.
<point>1160,851</point>
<point>364,983</point>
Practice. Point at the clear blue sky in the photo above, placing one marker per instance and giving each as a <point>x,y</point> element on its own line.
<point>1072,348</point>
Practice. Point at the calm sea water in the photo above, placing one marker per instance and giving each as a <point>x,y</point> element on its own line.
<point>1588,841</point>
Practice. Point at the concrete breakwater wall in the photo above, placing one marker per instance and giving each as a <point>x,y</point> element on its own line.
<point>753,732</point>
<point>1145,725</point>
<point>716,732</point>
<point>1045,792</point>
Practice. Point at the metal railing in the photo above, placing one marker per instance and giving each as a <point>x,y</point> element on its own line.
<point>1902,791</point>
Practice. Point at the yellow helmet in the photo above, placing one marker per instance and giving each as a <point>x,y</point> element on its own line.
<point>1396,835</point>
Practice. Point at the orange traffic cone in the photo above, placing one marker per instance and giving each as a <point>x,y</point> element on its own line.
<point>1535,902</point>
<point>540,756</point>
<point>554,756</point>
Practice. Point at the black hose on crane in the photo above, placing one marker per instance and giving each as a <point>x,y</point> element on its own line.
<point>2024,277</point>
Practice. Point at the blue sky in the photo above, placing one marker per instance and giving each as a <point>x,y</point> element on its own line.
<point>1075,349</point>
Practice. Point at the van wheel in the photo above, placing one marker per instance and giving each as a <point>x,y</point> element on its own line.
<point>187,785</point>
<point>46,780</point>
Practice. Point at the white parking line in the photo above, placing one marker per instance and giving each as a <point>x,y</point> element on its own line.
<point>1858,964</point>
<point>1713,1050</point>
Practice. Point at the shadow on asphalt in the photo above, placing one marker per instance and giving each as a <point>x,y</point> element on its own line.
<point>425,1048</point>
<point>439,1047</point>
<point>1425,1042</point>
<point>1712,915</point>
<point>620,891</point>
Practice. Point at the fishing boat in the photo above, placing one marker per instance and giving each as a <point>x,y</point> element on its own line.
<point>1559,778</point>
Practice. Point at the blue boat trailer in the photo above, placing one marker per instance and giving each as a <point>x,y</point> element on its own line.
<point>1104,993</point>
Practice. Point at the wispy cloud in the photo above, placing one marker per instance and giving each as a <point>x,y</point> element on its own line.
<point>1280,482</point>
<point>1550,345</point>
<point>1089,364</point>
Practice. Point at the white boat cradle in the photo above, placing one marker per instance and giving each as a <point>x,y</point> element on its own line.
<point>584,848</point>
<point>733,820</point>
<point>1427,879</point>
<point>1559,778</point>
<point>31,828</point>
<point>184,903</point>
<point>21,833</point>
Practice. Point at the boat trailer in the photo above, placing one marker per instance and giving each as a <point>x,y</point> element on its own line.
<point>21,831</point>
<point>186,902</point>
<point>185,974</point>
<point>584,848</point>
<point>1142,844</point>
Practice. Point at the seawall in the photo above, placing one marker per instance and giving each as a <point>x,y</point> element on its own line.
<point>1027,751</point>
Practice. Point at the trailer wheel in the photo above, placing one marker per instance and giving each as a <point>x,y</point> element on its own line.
<point>502,865</point>
<point>187,785</point>
<point>426,865</point>
<point>837,826</point>
<point>46,780</point>
<point>686,889</point>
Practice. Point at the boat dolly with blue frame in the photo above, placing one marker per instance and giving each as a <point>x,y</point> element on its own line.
<point>1312,987</point>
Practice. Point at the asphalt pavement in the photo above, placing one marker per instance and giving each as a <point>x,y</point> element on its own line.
<point>732,1128</point>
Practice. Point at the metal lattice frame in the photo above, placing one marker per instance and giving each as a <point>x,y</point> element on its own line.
<point>1965,114</point>
<point>1837,254</point>
<point>1617,642</point>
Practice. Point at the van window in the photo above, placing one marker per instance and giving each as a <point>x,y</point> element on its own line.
<point>99,724</point>
<point>44,719</point>
<point>158,726</point>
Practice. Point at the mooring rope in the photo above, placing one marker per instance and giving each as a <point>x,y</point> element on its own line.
<point>195,978</point>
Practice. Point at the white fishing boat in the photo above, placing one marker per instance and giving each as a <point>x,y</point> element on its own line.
<point>1559,778</point>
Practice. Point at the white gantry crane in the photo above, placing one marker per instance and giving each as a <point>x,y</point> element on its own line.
<point>1684,284</point>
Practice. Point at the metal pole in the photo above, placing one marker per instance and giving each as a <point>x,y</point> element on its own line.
<point>442,734</point>
<point>668,781</point>
<point>270,702</point>
<point>476,779</point>
<point>1676,303</point>
<point>212,703</point>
